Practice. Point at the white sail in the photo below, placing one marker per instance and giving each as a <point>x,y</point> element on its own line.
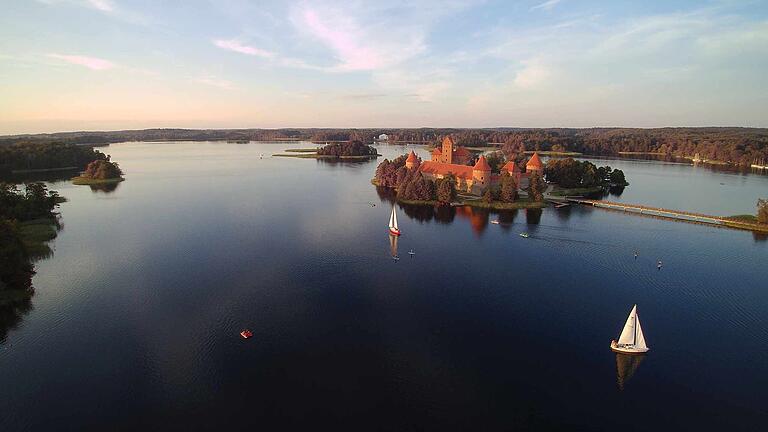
<point>627,336</point>
<point>393,219</point>
<point>640,340</point>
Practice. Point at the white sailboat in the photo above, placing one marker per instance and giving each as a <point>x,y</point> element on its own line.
<point>393,229</point>
<point>631,340</point>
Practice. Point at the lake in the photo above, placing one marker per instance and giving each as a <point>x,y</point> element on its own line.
<point>136,316</point>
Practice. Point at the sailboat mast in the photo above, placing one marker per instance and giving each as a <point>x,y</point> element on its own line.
<point>634,340</point>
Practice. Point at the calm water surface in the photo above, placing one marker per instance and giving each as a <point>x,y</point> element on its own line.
<point>136,317</point>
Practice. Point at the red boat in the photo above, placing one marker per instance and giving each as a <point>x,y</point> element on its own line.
<point>246,334</point>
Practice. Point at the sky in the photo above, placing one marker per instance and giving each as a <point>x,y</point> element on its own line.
<point>70,65</point>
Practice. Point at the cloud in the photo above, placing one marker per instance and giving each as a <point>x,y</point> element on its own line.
<point>360,40</point>
<point>102,5</point>
<point>236,46</point>
<point>213,81</point>
<point>533,74</point>
<point>92,63</point>
<point>547,5</point>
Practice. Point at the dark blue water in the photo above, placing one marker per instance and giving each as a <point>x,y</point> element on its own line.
<point>136,316</point>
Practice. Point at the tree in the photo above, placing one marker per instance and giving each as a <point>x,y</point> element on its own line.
<point>103,170</point>
<point>762,211</point>
<point>617,178</point>
<point>487,195</point>
<point>16,269</point>
<point>446,189</point>
<point>536,189</point>
<point>496,160</point>
<point>508,192</point>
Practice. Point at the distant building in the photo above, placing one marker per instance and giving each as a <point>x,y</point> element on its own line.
<point>450,153</point>
<point>383,137</point>
<point>452,159</point>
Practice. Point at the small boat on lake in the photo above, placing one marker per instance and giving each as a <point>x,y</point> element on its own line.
<point>393,229</point>
<point>524,235</point>
<point>411,252</point>
<point>495,222</point>
<point>246,334</point>
<point>631,340</point>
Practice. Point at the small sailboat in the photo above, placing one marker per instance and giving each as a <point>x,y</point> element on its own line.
<point>411,252</point>
<point>393,229</point>
<point>524,235</point>
<point>495,221</point>
<point>631,340</point>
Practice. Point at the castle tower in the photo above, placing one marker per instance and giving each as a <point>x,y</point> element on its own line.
<point>447,152</point>
<point>412,161</point>
<point>481,172</point>
<point>534,165</point>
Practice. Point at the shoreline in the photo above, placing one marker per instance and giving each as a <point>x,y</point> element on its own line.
<point>85,181</point>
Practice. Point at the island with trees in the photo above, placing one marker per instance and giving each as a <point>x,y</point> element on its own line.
<point>100,172</point>
<point>419,183</point>
<point>353,150</point>
<point>571,177</point>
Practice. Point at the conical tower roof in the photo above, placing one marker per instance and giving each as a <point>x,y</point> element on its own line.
<point>412,157</point>
<point>482,164</point>
<point>534,163</point>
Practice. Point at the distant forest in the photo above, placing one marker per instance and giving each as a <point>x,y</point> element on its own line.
<point>739,146</point>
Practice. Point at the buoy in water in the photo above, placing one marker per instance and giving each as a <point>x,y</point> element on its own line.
<point>246,334</point>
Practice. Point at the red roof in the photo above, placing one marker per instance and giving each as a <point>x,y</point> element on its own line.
<point>482,164</point>
<point>461,151</point>
<point>437,151</point>
<point>412,157</point>
<point>534,162</point>
<point>460,171</point>
<point>511,167</point>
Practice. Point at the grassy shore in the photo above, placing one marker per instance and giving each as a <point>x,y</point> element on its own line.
<point>557,191</point>
<point>36,234</point>
<point>302,150</point>
<point>521,203</point>
<point>80,181</point>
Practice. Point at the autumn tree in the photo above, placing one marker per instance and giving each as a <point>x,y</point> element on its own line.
<point>446,189</point>
<point>103,170</point>
<point>536,188</point>
<point>762,211</point>
<point>508,190</point>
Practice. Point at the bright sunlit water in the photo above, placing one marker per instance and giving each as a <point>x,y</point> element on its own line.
<point>136,315</point>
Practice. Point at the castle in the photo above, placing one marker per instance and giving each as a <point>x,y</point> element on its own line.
<point>453,159</point>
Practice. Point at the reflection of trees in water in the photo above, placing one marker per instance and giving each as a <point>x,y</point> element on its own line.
<point>564,213</point>
<point>386,194</point>
<point>506,219</point>
<point>616,190</point>
<point>105,187</point>
<point>418,212</point>
<point>11,313</point>
<point>626,366</point>
<point>533,216</point>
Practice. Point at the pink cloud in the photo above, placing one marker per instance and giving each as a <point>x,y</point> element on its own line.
<point>234,45</point>
<point>92,63</point>
<point>344,42</point>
